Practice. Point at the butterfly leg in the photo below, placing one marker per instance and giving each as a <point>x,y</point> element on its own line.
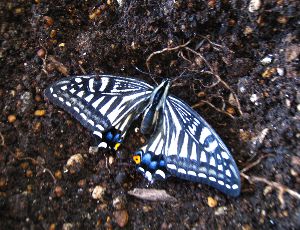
<point>152,166</point>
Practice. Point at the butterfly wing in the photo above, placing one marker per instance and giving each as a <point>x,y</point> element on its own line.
<point>101,102</point>
<point>195,152</point>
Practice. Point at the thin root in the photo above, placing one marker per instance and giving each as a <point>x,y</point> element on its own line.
<point>219,79</point>
<point>214,107</point>
<point>2,139</point>
<point>36,162</point>
<point>278,186</point>
<point>162,51</point>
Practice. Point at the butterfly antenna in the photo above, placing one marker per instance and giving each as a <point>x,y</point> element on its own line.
<point>149,74</point>
<point>180,76</point>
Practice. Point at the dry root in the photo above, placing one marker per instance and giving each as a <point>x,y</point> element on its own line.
<point>216,47</point>
<point>278,186</point>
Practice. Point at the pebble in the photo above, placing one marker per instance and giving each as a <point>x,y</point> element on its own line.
<point>280,71</point>
<point>119,203</point>
<point>121,217</point>
<point>58,174</point>
<point>267,59</point>
<point>212,202</point>
<point>98,192</point>
<point>11,118</point>
<point>52,227</point>
<point>269,72</point>
<point>41,53</point>
<point>254,5</point>
<point>29,173</point>
<point>220,211</point>
<point>253,98</point>
<point>48,20</point>
<point>40,112</point>
<point>75,163</point>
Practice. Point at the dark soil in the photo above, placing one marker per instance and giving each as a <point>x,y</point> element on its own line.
<point>43,41</point>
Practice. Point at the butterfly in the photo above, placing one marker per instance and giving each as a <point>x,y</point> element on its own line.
<point>181,143</point>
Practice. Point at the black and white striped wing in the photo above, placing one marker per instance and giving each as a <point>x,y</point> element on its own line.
<point>195,152</point>
<point>101,102</point>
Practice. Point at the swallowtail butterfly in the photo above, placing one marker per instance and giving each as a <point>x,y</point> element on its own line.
<point>181,142</point>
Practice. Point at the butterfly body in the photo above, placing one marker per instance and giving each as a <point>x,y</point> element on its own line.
<point>181,143</point>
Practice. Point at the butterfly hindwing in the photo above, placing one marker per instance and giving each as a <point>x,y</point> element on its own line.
<point>195,152</point>
<point>101,102</point>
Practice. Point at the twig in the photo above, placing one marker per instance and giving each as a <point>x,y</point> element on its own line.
<point>164,50</point>
<point>253,164</point>
<point>280,187</point>
<point>211,105</point>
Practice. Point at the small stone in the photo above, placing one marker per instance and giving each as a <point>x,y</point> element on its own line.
<point>75,163</point>
<point>121,218</point>
<point>212,202</point>
<point>280,71</point>
<point>48,21</point>
<point>119,203</point>
<point>253,98</point>
<point>58,191</point>
<point>11,118</point>
<point>29,173</point>
<point>267,59</point>
<point>41,53</point>
<point>40,112</point>
<point>254,5</point>
<point>58,174</point>
<point>52,227</point>
<point>220,211</point>
<point>269,72</point>
<point>98,192</point>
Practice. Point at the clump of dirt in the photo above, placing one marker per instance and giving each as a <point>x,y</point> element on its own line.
<point>239,68</point>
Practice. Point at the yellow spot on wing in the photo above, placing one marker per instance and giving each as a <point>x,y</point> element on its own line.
<point>117,146</point>
<point>137,159</point>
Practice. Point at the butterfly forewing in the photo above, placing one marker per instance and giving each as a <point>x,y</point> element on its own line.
<point>195,152</point>
<point>101,102</point>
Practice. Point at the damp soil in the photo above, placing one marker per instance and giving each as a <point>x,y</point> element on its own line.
<point>240,71</point>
